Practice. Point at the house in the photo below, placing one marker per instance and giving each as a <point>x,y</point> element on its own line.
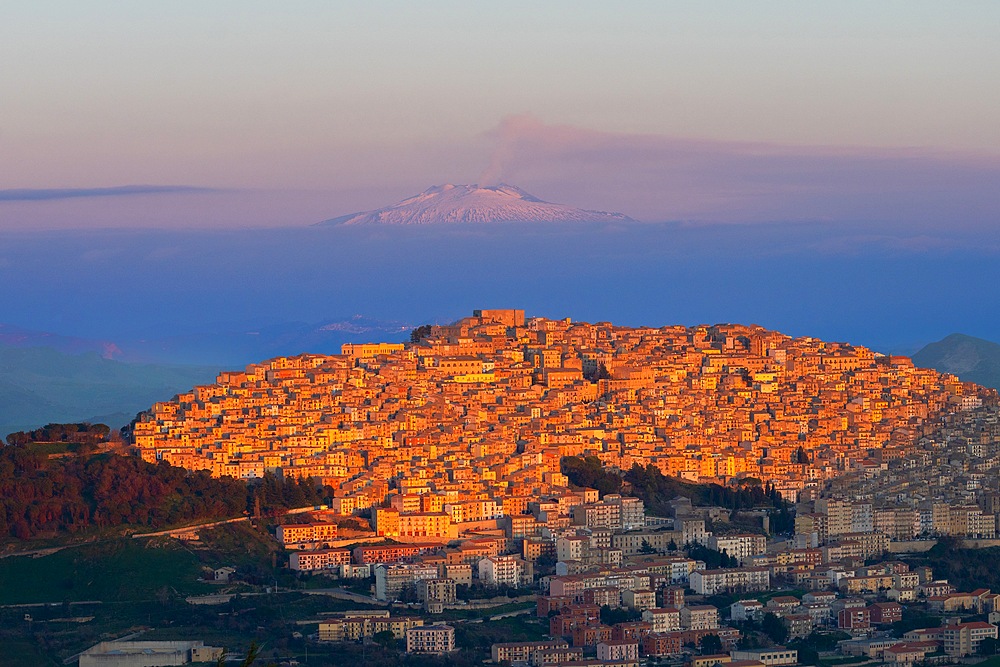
<point>782,604</point>
<point>618,650</point>
<point>746,610</point>
<point>907,653</point>
<point>885,613</point>
<point>854,618</point>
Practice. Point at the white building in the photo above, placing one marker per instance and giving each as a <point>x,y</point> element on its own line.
<point>663,619</point>
<point>435,639</point>
<point>632,513</point>
<point>736,580</point>
<point>746,610</point>
<point>501,570</point>
<point>740,547</point>
<point>390,580</point>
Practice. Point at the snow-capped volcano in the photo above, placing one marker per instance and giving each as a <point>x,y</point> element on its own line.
<point>475,204</point>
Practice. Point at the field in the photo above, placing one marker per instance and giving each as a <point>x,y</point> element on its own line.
<point>68,601</point>
<point>120,570</point>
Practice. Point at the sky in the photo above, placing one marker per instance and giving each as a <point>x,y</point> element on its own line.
<point>827,169</point>
<point>284,115</point>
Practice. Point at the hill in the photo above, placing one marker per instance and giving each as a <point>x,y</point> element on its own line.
<point>971,359</point>
<point>474,204</point>
<point>41,385</point>
<point>711,402</point>
<point>46,497</point>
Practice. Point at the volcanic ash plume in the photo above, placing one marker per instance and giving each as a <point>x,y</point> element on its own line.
<point>508,135</point>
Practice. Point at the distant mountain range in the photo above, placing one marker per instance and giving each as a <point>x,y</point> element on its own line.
<point>46,377</point>
<point>234,344</point>
<point>474,204</point>
<point>13,336</point>
<point>40,385</point>
<point>238,344</point>
<point>971,359</point>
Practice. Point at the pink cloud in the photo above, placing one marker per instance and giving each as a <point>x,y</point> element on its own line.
<point>655,177</point>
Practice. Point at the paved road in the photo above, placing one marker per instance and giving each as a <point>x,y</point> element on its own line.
<point>188,529</point>
<point>516,612</point>
<point>212,524</point>
<point>37,553</point>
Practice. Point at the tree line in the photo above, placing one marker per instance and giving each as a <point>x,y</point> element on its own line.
<point>83,433</point>
<point>41,495</point>
<point>656,489</point>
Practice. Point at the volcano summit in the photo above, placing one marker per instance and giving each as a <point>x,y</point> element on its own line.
<point>474,204</point>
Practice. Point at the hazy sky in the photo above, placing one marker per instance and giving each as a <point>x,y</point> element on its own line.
<point>663,110</point>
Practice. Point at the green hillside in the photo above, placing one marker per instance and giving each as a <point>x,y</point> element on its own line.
<point>971,359</point>
<point>40,385</point>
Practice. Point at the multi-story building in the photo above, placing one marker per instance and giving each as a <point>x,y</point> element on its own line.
<point>854,618</point>
<point>298,533</point>
<point>663,620</point>
<point>632,511</point>
<point>514,652</point>
<point>434,639</point>
<point>505,571</point>
<point>647,540</point>
<point>699,617</point>
<point>390,522</point>
<point>358,625</point>
<point>319,559</point>
<point>964,639</point>
<point>618,650</point>
<point>390,580</point>
<point>440,589</point>
<point>741,547</point>
<point>735,580</point>
<point>639,599</point>
<point>660,644</point>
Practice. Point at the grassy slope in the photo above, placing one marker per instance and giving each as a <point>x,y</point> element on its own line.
<point>131,570</point>
<point>115,571</point>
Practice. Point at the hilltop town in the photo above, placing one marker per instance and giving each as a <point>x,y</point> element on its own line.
<point>484,409</point>
<point>454,448</point>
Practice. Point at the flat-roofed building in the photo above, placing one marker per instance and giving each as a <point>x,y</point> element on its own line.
<point>319,559</point>
<point>298,533</point>
<point>699,617</point>
<point>663,620</point>
<point>618,650</point>
<point>772,657</point>
<point>433,639</point>
<point>730,580</point>
<point>521,651</point>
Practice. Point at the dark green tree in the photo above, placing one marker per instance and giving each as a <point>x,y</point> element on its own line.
<point>384,639</point>
<point>611,616</point>
<point>420,333</point>
<point>774,628</point>
<point>711,645</point>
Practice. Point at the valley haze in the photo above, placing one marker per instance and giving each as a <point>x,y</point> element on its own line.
<point>893,288</point>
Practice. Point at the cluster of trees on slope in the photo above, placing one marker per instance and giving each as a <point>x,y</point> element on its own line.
<point>657,489</point>
<point>83,433</point>
<point>41,495</point>
<point>965,568</point>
